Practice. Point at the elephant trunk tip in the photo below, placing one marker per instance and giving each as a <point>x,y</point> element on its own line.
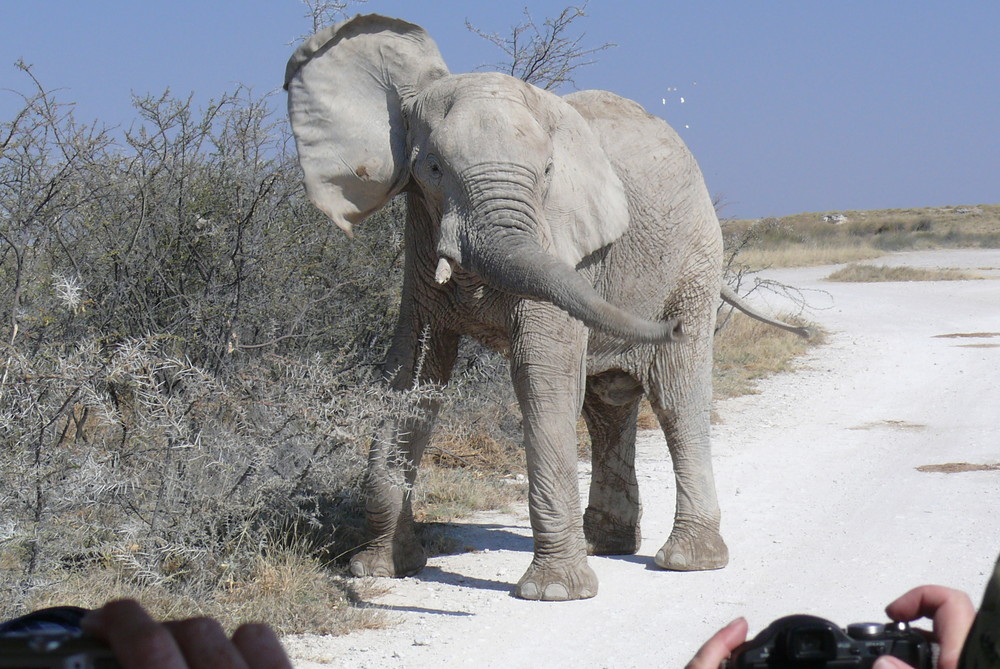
<point>675,326</point>
<point>671,331</point>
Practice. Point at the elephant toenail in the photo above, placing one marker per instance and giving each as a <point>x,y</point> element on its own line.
<point>556,592</point>
<point>529,590</point>
<point>676,560</point>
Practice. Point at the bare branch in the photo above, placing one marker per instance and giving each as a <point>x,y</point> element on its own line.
<point>322,13</point>
<point>547,56</point>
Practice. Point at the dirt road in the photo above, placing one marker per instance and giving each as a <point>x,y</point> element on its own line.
<point>828,504</point>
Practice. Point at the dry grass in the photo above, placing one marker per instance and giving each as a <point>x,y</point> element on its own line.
<point>447,493</point>
<point>647,419</point>
<point>290,583</point>
<point>971,221</point>
<point>878,273</point>
<point>959,468</point>
<point>477,451</point>
<point>747,350</point>
<point>283,586</point>
<point>808,255</point>
<point>475,461</point>
<point>807,240</point>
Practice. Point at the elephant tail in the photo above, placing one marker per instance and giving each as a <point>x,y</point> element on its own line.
<point>730,297</point>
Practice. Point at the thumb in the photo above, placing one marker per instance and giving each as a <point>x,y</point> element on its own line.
<point>890,662</point>
<point>718,648</point>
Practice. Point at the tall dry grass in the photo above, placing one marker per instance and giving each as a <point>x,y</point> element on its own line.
<point>747,350</point>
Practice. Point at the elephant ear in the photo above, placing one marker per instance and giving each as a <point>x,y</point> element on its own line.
<point>586,207</point>
<point>346,85</point>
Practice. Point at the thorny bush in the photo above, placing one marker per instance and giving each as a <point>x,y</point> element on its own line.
<point>189,365</point>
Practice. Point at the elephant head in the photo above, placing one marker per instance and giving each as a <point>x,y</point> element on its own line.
<point>516,181</point>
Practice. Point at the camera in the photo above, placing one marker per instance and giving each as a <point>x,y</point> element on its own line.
<point>809,642</point>
<point>54,650</point>
<point>52,639</point>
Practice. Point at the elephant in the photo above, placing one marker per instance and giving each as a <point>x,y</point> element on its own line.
<point>574,234</point>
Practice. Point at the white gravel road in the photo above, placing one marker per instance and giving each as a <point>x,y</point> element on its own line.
<point>824,508</point>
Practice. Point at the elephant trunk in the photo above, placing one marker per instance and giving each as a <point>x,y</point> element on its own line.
<point>521,267</point>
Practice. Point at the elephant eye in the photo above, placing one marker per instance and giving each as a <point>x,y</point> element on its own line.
<point>547,177</point>
<point>434,169</point>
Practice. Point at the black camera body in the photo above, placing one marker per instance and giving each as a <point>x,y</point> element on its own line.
<point>809,642</point>
<point>54,650</point>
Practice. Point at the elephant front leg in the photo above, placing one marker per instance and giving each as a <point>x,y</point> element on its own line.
<point>547,361</point>
<point>394,456</point>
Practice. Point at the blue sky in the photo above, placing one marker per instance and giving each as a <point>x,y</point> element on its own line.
<point>789,106</point>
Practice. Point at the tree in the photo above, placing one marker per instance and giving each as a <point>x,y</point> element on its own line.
<point>547,55</point>
<point>322,13</point>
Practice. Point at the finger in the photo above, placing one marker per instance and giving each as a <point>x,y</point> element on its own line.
<point>925,601</point>
<point>137,640</point>
<point>720,646</point>
<point>889,662</point>
<point>260,647</point>
<point>951,610</point>
<point>205,644</point>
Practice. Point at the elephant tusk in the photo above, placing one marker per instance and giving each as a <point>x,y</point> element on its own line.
<point>443,273</point>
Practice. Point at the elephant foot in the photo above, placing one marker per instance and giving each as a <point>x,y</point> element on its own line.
<point>557,581</point>
<point>389,561</point>
<point>693,550</point>
<point>607,535</point>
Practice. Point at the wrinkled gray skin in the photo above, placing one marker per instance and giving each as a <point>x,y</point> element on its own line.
<point>574,234</point>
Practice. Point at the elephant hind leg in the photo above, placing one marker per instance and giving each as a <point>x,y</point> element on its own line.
<point>611,520</point>
<point>683,411</point>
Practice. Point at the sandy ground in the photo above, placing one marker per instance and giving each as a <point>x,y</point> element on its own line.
<point>824,509</point>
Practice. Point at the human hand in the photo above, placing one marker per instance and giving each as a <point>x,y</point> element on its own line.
<point>139,642</point>
<point>720,646</point>
<point>952,612</point>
